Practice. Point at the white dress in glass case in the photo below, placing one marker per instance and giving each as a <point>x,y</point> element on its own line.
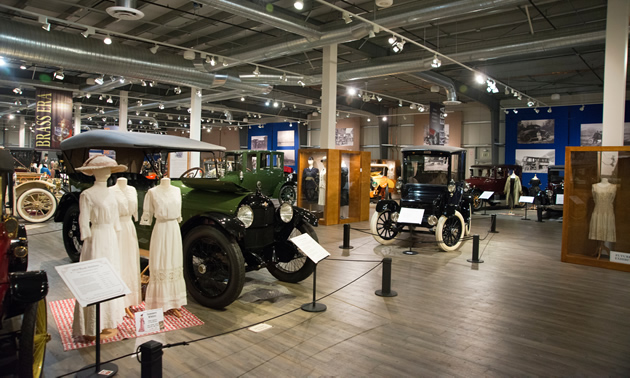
<point>602,225</point>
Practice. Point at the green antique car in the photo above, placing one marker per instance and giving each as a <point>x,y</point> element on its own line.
<point>252,168</point>
<point>226,228</point>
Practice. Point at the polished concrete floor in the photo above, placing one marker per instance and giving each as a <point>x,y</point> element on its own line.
<point>520,313</point>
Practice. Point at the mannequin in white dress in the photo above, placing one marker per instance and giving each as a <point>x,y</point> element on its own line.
<point>127,198</point>
<point>602,226</point>
<point>99,224</point>
<point>167,288</point>
<point>322,184</point>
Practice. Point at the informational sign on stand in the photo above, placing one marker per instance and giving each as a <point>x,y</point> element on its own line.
<point>92,281</point>
<point>310,248</point>
<point>149,321</point>
<point>620,257</point>
<point>410,215</point>
<point>486,195</point>
<point>526,199</point>
<point>559,199</point>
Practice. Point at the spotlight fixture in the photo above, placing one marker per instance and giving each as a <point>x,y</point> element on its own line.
<point>267,103</point>
<point>211,61</point>
<point>178,107</point>
<point>303,84</point>
<point>385,119</point>
<point>129,122</point>
<point>398,46</point>
<point>100,80</point>
<point>256,72</point>
<point>104,119</point>
<point>100,97</point>
<point>154,49</point>
<point>299,4</point>
<point>371,34</point>
<point>198,92</point>
<point>275,104</point>
<point>89,118</point>
<point>421,108</point>
<point>107,40</point>
<point>137,113</point>
<point>379,98</point>
<point>492,86</point>
<point>283,105</point>
<point>161,106</point>
<point>536,110</point>
<point>44,21</point>
<point>109,100</point>
<point>88,32</point>
<point>122,80</point>
<point>59,75</point>
<point>400,103</point>
<point>139,102</point>
<point>530,103</point>
<point>346,17</point>
<point>507,91</point>
<point>177,90</point>
<point>87,95</point>
<point>549,110</point>
<point>436,62</point>
<point>582,108</point>
<point>284,77</point>
<point>102,111</point>
<point>479,78</point>
<point>519,97</point>
<point>242,98</point>
<point>412,106</point>
<point>17,90</point>
<point>351,91</point>
<point>506,111</point>
<point>391,40</point>
<point>373,97</point>
<point>23,67</point>
<point>515,111</point>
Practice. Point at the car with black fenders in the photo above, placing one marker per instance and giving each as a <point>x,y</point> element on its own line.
<point>432,180</point>
<point>226,229</point>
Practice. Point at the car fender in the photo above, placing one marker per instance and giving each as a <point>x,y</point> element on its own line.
<point>390,205</point>
<point>229,225</point>
<point>67,200</point>
<point>303,215</point>
<point>31,185</point>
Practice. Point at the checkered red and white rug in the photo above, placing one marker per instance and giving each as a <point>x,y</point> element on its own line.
<point>63,312</point>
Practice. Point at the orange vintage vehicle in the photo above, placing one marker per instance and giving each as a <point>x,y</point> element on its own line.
<point>381,186</point>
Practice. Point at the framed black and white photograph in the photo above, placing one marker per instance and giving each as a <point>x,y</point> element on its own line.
<point>535,161</point>
<point>538,131</point>
<point>289,157</point>
<point>344,136</point>
<point>591,134</point>
<point>435,163</point>
<point>286,138</point>
<point>259,142</point>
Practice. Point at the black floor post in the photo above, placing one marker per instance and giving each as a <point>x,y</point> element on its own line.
<point>475,251</point>
<point>151,359</point>
<point>386,285</point>
<point>346,237</point>
<point>539,213</point>
<point>97,369</point>
<point>314,306</point>
<point>493,224</point>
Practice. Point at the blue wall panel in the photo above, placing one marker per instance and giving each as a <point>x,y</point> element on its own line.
<point>271,131</point>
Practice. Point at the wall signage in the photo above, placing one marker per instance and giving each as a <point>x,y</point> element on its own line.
<point>53,118</point>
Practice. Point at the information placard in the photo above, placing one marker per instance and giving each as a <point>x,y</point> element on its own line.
<point>620,257</point>
<point>526,199</point>
<point>92,281</point>
<point>486,195</point>
<point>559,199</point>
<point>409,215</point>
<point>149,321</point>
<point>309,247</point>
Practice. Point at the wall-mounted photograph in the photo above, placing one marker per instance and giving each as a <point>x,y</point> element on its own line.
<point>344,136</point>
<point>289,157</point>
<point>535,161</point>
<point>591,134</point>
<point>537,131</point>
<point>286,138</point>
<point>259,142</point>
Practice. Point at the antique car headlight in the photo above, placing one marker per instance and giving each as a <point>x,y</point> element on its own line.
<point>432,220</point>
<point>20,251</point>
<point>246,215</point>
<point>286,212</point>
<point>451,186</point>
<point>395,217</point>
<point>466,187</point>
<point>399,183</point>
<point>549,193</point>
<point>11,225</point>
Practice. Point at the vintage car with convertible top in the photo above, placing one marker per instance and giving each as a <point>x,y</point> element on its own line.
<point>226,229</point>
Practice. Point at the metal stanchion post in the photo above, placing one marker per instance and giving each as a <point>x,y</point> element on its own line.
<point>151,359</point>
<point>493,224</point>
<point>346,237</point>
<point>475,252</point>
<point>386,284</point>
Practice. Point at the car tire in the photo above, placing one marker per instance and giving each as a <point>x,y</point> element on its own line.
<point>32,341</point>
<point>72,233</point>
<point>214,267</point>
<point>450,231</point>
<point>288,193</point>
<point>477,203</point>
<point>468,225</point>
<point>383,228</point>
<point>299,268</point>
<point>36,205</point>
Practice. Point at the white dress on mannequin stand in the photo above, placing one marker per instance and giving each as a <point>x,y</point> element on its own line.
<point>127,199</point>
<point>322,188</point>
<point>602,226</point>
<point>167,288</point>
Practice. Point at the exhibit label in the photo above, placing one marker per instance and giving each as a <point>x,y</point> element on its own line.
<point>410,215</point>
<point>486,195</point>
<point>620,257</point>
<point>150,321</point>
<point>309,247</point>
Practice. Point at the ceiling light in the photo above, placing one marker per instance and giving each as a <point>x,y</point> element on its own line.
<point>198,92</point>
<point>369,120</point>
<point>2,61</point>
<point>59,75</point>
<point>122,80</point>
<point>100,80</point>
<point>398,46</point>
<point>436,62</point>
<point>582,108</point>
<point>17,90</point>
<point>109,100</point>
<point>479,78</point>
<point>384,118</point>
<point>23,67</point>
<point>242,98</point>
<point>161,106</point>
<point>256,72</point>
<point>107,40</point>
<point>536,110</point>
<point>391,40</point>
<point>549,110</point>
<point>400,103</point>
<point>87,95</point>
<point>44,21</point>
<point>379,98</point>
<point>154,49</point>
<point>284,77</point>
<point>346,17</point>
<point>301,83</point>
<point>351,91</point>
<point>267,103</point>
<point>177,90</point>
<point>88,32</point>
<point>515,111</point>
<point>275,104</point>
<point>299,4</point>
<point>211,61</point>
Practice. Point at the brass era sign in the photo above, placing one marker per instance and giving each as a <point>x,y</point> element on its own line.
<point>53,118</point>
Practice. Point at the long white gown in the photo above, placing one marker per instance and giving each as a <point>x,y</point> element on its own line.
<point>167,288</point>
<point>127,199</point>
<point>602,226</point>
<point>99,207</point>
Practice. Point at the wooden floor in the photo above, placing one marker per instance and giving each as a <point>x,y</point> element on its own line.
<point>521,313</point>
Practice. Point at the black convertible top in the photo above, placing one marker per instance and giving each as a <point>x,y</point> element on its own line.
<point>109,139</point>
<point>6,161</point>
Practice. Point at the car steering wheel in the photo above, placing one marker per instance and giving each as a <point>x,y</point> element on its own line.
<point>192,173</point>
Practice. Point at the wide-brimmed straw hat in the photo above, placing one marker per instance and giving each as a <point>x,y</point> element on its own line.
<point>101,162</point>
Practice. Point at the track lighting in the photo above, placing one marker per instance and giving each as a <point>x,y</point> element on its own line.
<point>536,110</point>
<point>515,111</point>
<point>519,97</point>
<point>129,122</point>
<point>398,46</point>
<point>17,90</point>
<point>351,91</point>
<point>139,102</point>
<point>582,108</point>
<point>152,83</point>
<point>275,104</point>
<point>299,4</point>
<point>89,118</point>
<point>391,40</point>
<point>88,32</point>
<point>137,113</point>
<point>242,98</point>
<point>178,107</point>
<point>549,110</point>
<point>161,106</point>
<point>506,111</point>
<point>211,61</point>
<point>421,108</point>
<point>436,62</point>
<point>346,17</point>
<point>23,67</point>
<point>379,98</point>
<point>87,95</point>
<point>267,103</point>
<point>44,21</point>
<point>515,93</point>
<point>284,77</point>
<point>122,80</point>
<point>303,84</point>
<point>507,91</point>
<point>102,111</point>
<point>100,98</point>
<point>479,78</point>
<point>198,92</point>
<point>492,86</point>
<point>530,103</point>
<point>400,103</point>
<point>177,90</point>
<point>143,83</point>
<point>109,100</point>
<point>283,105</point>
<point>256,72</point>
<point>104,119</point>
<point>412,106</point>
<point>59,75</point>
<point>107,40</point>
<point>100,80</point>
<point>154,49</point>
<point>371,34</point>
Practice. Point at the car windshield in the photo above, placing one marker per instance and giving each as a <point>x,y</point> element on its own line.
<point>556,176</point>
<point>433,170</point>
<point>233,163</point>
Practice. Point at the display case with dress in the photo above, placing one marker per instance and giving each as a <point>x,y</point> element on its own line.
<point>602,224</point>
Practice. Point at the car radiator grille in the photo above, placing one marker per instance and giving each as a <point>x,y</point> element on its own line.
<point>260,234</point>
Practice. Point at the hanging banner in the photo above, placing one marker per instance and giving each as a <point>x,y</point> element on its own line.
<point>53,118</point>
<point>436,132</point>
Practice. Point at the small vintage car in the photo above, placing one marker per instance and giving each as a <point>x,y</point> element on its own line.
<point>23,333</point>
<point>226,228</point>
<point>432,180</point>
<point>555,185</point>
<point>252,168</point>
<point>490,178</point>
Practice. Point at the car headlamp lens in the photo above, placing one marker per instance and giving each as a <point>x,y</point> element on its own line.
<point>11,225</point>
<point>432,220</point>
<point>466,187</point>
<point>286,212</point>
<point>451,186</point>
<point>20,252</point>
<point>246,215</point>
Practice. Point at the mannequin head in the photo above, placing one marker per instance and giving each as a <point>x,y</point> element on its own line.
<point>310,162</point>
<point>102,174</point>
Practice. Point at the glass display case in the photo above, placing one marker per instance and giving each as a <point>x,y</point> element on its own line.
<point>596,201</point>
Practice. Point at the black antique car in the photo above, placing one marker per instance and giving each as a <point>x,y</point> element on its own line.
<point>432,180</point>
<point>226,228</point>
<point>23,330</point>
<point>555,185</point>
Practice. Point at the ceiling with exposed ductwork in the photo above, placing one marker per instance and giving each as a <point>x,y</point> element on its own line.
<point>249,52</point>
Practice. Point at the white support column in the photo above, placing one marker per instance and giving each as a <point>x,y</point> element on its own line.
<point>329,98</point>
<point>615,72</point>
<point>22,133</point>
<point>195,124</point>
<point>122,111</point>
<point>77,119</point>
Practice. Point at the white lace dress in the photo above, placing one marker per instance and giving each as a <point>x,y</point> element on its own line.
<point>98,206</point>
<point>167,288</point>
<point>322,188</point>
<point>602,225</point>
<point>127,199</point>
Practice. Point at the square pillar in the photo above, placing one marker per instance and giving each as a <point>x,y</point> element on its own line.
<point>195,124</point>
<point>329,97</point>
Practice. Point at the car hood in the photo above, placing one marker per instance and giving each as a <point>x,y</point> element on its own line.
<point>213,184</point>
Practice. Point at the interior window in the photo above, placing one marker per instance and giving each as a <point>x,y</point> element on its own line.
<point>265,160</point>
<point>251,163</point>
